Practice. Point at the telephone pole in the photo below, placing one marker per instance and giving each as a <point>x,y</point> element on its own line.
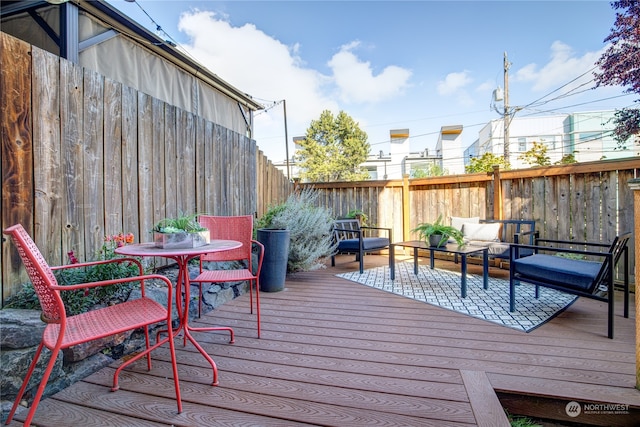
<point>286,138</point>
<point>507,116</point>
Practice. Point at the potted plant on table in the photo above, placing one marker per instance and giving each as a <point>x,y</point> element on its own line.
<point>438,234</point>
<point>181,232</point>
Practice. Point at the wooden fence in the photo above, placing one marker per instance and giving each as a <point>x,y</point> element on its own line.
<point>586,201</point>
<point>84,157</point>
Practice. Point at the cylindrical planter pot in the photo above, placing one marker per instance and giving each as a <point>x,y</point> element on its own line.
<point>276,255</point>
<point>435,239</point>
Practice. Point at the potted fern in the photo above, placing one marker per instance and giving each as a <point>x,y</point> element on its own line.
<point>438,234</point>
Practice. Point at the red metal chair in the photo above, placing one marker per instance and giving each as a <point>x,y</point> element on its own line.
<point>238,228</point>
<point>64,331</point>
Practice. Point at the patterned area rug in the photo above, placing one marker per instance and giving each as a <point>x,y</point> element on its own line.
<point>442,288</point>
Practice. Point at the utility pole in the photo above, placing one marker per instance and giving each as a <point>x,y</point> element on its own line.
<point>286,137</point>
<point>507,116</point>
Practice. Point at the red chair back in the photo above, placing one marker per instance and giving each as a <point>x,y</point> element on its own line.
<point>239,228</point>
<point>40,274</point>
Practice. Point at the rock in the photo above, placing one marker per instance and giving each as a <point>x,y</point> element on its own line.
<point>20,328</point>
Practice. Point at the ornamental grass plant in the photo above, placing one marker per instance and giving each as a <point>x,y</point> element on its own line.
<point>309,226</point>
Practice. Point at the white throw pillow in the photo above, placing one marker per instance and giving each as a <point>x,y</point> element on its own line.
<point>457,221</point>
<point>487,232</point>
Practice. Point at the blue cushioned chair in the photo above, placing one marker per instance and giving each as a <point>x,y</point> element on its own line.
<point>587,273</point>
<point>355,239</point>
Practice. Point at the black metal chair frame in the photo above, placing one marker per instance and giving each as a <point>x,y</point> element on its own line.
<point>617,249</point>
<point>351,229</point>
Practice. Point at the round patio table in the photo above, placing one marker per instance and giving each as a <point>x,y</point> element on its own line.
<point>182,256</point>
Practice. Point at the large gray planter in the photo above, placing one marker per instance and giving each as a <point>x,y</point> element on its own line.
<point>276,255</point>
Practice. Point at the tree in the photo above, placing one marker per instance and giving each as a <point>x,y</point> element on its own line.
<point>620,65</point>
<point>333,150</point>
<point>567,159</point>
<point>536,155</point>
<point>485,163</point>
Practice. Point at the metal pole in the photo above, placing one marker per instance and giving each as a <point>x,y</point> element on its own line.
<point>286,137</point>
<point>507,118</point>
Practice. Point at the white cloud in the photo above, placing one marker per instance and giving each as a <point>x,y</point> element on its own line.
<point>356,80</point>
<point>454,87</point>
<point>453,82</point>
<point>563,67</point>
<point>263,67</point>
<point>267,69</point>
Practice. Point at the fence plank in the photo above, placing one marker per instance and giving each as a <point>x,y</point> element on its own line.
<point>17,150</point>
<point>93,157</point>
<point>593,224</point>
<point>113,157</point>
<point>145,166</point>
<point>168,199</point>
<point>71,125</point>
<point>129,168</point>
<point>46,148</point>
<point>564,207</point>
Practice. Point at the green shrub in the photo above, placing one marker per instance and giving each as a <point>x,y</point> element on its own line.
<point>309,226</point>
<point>80,301</point>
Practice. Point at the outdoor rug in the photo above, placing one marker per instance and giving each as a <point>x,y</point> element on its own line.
<point>442,288</point>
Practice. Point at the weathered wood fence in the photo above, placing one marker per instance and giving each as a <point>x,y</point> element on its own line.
<point>586,201</point>
<point>84,157</point>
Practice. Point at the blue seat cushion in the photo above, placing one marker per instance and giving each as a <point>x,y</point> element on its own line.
<point>368,243</point>
<point>570,273</point>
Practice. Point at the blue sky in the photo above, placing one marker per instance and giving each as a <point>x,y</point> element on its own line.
<point>393,64</point>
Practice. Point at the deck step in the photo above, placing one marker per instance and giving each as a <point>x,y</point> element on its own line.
<point>484,402</point>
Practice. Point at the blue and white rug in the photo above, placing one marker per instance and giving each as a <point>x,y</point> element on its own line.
<point>442,288</point>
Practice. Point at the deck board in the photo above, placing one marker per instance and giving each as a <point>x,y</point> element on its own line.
<point>337,353</point>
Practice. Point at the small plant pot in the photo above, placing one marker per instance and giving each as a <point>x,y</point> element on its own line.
<point>435,239</point>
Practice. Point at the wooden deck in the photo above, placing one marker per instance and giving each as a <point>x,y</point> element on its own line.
<point>336,353</point>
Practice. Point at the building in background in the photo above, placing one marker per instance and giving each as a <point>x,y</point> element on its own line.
<point>586,135</point>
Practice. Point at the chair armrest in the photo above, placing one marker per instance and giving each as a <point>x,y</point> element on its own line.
<point>388,230</point>
<point>572,242</point>
<point>533,235</point>
<point>349,230</point>
<point>109,282</point>
<point>107,261</point>
<point>515,248</point>
<point>260,246</point>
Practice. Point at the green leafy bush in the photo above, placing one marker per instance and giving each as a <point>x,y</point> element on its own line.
<point>309,226</point>
<point>80,301</point>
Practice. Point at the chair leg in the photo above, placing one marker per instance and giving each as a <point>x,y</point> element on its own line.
<point>41,387</point>
<point>174,366</point>
<point>199,299</point>
<point>512,295</point>
<point>25,382</point>
<point>251,297</point>
<point>611,298</point>
<point>147,344</point>
<point>257,303</point>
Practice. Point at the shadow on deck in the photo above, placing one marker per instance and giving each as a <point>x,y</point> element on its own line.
<point>336,353</point>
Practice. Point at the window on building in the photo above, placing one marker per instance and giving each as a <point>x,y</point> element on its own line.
<point>522,144</point>
<point>373,172</point>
